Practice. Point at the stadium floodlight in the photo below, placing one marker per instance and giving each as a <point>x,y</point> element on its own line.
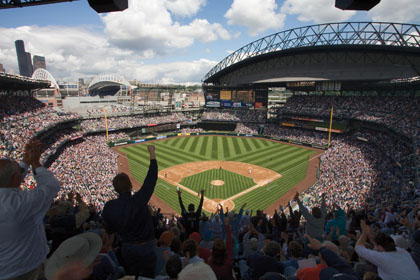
<point>106,6</point>
<point>364,5</point>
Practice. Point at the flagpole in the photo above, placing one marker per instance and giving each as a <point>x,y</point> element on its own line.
<point>329,131</point>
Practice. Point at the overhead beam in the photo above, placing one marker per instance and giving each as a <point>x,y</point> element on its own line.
<point>9,4</point>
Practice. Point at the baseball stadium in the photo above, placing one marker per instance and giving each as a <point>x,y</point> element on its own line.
<point>311,134</point>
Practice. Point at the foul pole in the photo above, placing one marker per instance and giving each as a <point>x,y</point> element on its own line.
<point>106,126</point>
<point>329,130</point>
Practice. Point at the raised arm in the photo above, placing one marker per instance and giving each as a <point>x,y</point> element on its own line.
<point>302,209</point>
<point>35,203</point>
<point>183,211</point>
<point>146,191</point>
<point>200,206</point>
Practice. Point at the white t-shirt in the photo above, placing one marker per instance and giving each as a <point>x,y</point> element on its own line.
<point>398,265</point>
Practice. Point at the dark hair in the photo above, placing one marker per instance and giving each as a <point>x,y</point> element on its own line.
<point>122,183</point>
<point>173,266</point>
<point>295,249</point>
<point>371,276</point>
<point>272,249</point>
<point>176,245</point>
<point>316,212</point>
<point>190,207</point>
<point>218,252</point>
<point>385,241</point>
<point>189,246</point>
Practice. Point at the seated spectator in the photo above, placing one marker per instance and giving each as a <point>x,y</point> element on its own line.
<point>221,259</point>
<point>392,262</point>
<point>296,253</point>
<point>162,251</point>
<point>216,227</point>
<point>338,224</point>
<point>253,241</point>
<point>173,267</point>
<point>198,270</point>
<point>203,252</point>
<point>63,223</point>
<point>260,263</point>
<point>75,258</point>
<point>190,251</point>
<point>23,243</point>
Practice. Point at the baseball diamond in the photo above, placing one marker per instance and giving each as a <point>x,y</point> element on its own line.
<point>253,170</point>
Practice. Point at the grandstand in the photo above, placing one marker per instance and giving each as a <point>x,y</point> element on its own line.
<point>348,136</point>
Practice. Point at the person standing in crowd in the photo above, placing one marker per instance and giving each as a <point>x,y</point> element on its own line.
<point>130,218</point>
<point>191,219</point>
<point>315,221</point>
<point>23,243</point>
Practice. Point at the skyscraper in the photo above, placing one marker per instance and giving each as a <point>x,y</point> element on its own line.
<point>39,62</point>
<point>2,68</point>
<point>24,59</point>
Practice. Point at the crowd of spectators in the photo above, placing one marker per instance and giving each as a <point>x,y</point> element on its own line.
<point>191,130</point>
<point>237,115</point>
<point>361,220</point>
<point>22,118</point>
<point>247,128</point>
<point>357,174</point>
<point>400,113</point>
<point>87,167</point>
<point>297,135</point>
<point>131,121</point>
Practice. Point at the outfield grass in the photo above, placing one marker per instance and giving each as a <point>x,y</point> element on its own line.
<point>290,161</point>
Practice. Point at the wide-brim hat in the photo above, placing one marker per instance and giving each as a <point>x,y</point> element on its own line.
<point>83,248</point>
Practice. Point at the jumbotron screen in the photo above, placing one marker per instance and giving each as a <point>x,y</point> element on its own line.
<point>257,98</point>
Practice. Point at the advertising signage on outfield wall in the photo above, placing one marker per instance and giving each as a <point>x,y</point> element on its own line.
<point>213,104</point>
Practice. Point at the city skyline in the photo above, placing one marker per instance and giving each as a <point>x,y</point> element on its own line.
<point>164,41</point>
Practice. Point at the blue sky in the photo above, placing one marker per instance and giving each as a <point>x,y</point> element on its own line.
<point>164,41</point>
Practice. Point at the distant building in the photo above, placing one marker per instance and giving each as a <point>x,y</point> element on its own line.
<point>2,68</point>
<point>39,62</point>
<point>24,59</point>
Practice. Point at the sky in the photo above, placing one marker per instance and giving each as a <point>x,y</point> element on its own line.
<point>164,41</point>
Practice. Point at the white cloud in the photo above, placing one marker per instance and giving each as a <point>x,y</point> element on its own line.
<point>175,72</point>
<point>184,8</point>
<point>318,11</point>
<point>71,53</point>
<point>396,11</point>
<point>147,27</point>
<point>257,15</point>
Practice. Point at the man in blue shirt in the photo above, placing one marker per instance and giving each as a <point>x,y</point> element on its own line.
<point>130,218</point>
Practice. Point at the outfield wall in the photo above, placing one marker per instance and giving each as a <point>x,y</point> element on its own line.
<point>141,140</point>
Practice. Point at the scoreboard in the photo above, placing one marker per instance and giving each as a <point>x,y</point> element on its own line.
<point>228,98</point>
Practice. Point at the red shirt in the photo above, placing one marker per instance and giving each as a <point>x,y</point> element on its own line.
<point>225,271</point>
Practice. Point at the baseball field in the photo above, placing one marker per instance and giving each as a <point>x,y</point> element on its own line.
<point>231,170</point>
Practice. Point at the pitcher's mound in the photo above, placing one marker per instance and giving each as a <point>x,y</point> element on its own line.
<point>217,183</point>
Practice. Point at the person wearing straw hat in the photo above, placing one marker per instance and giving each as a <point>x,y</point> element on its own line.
<point>130,218</point>
<point>75,257</point>
<point>23,243</point>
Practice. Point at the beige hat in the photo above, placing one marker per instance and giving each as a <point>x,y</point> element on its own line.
<point>82,248</point>
<point>197,270</point>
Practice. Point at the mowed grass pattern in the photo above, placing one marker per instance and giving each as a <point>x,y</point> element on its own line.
<point>290,161</point>
<point>234,183</point>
